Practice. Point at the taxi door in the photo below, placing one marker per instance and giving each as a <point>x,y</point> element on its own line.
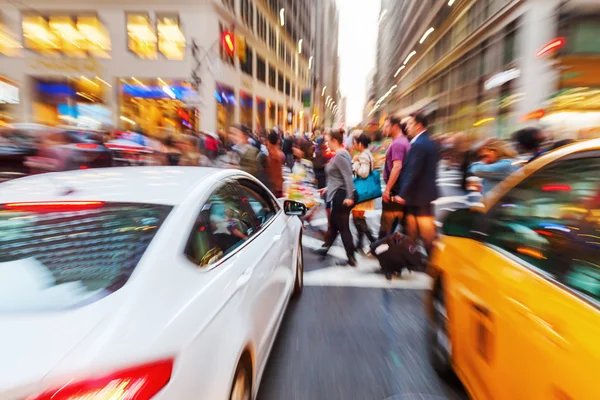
<point>567,323</point>
<point>474,316</point>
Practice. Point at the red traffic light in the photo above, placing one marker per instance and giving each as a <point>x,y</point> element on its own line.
<point>229,43</point>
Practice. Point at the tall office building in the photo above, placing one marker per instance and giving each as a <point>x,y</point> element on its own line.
<point>95,63</point>
<point>489,66</point>
<point>326,73</point>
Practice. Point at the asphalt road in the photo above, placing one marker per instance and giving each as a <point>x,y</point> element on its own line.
<point>355,336</point>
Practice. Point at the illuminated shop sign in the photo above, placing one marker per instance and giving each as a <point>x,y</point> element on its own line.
<point>502,78</point>
<point>9,94</point>
<point>158,92</point>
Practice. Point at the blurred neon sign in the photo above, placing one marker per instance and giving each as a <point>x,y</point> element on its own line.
<point>553,45</point>
<point>502,78</point>
<point>158,92</point>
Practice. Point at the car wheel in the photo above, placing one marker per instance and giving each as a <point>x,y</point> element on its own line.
<point>299,284</point>
<point>242,383</point>
<point>440,346</point>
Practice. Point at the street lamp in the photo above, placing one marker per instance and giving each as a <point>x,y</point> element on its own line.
<point>310,62</point>
<point>300,46</point>
<point>282,16</point>
<point>323,91</point>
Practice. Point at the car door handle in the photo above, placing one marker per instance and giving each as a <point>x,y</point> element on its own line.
<point>245,277</point>
<point>278,236</point>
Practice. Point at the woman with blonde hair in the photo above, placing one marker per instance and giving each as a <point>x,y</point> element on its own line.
<point>496,163</point>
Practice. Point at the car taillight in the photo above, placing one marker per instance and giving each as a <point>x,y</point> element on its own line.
<point>137,383</point>
<point>87,146</point>
<point>52,206</point>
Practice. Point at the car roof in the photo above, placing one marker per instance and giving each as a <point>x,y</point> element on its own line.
<point>153,185</point>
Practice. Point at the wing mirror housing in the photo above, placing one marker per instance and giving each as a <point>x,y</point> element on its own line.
<point>294,208</point>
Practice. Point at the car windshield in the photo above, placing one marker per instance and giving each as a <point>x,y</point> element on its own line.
<point>56,256</point>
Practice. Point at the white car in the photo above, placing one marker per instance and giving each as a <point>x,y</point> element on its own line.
<point>142,282</point>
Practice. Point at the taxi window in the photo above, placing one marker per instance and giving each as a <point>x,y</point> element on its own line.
<point>552,221</point>
<point>220,228</point>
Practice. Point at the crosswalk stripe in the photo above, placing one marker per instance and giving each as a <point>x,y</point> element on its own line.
<point>364,275</point>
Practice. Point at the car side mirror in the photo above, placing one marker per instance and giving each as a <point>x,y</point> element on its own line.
<point>291,207</point>
<point>462,223</point>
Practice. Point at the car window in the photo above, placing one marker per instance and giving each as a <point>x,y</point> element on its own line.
<point>260,201</point>
<point>60,257</point>
<point>551,220</point>
<point>220,228</point>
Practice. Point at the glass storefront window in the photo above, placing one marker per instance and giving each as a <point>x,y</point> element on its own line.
<point>70,101</point>
<point>98,39</point>
<point>280,110</point>
<point>68,38</point>
<point>141,36</point>
<point>246,105</point>
<point>272,117</point>
<point>155,106</point>
<point>37,34</point>
<point>261,109</point>
<point>9,46</point>
<point>225,98</point>
<point>586,38</point>
<point>171,41</point>
<point>9,100</point>
<point>75,37</point>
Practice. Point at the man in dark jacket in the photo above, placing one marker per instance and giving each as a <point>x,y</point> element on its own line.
<point>417,187</point>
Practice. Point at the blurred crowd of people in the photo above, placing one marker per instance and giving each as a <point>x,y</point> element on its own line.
<point>317,168</point>
<point>484,164</point>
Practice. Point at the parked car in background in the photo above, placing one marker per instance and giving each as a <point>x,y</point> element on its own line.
<point>16,146</point>
<point>69,149</point>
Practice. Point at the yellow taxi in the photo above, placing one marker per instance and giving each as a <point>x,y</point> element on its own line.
<point>514,310</point>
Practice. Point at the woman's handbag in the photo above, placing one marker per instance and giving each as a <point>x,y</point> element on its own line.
<point>368,188</point>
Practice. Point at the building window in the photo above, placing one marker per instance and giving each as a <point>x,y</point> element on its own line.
<point>510,43</point>
<point>246,66</point>
<point>281,51</point>
<point>280,82</point>
<point>225,56</point>
<point>272,39</point>
<point>586,38</point>
<point>76,37</point>
<point>229,4</point>
<point>288,90</point>
<point>272,77</point>
<point>261,27</point>
<point>141,36</point>
<point>171,42</point>
<point>247,11</point>
<point>261,69</point>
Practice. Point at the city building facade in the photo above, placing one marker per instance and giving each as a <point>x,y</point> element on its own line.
<point>488,67</point>
<point>326,89</point>
<point>164,68</point>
